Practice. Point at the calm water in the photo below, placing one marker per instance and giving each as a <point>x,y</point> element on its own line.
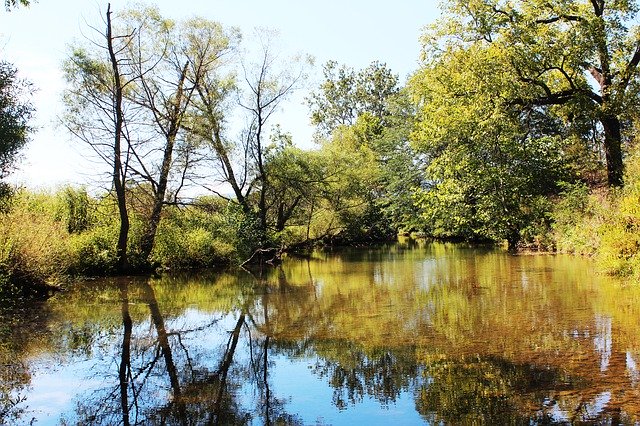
<point>403,334</point>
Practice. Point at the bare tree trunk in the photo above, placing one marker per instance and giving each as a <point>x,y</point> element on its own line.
<point>118,175</point>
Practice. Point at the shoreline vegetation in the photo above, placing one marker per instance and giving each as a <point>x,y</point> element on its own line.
<point>518,126</point>
<point>48,240</point>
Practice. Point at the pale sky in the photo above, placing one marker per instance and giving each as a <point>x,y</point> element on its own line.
<point>351,32</point>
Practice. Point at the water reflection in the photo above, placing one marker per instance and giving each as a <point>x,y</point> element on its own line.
<point>420,334</point>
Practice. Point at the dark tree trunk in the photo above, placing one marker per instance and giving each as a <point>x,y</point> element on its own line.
<point>175,123</point>
<point>118,176</point>
<point>148,239</point>
<point>125,363</point>
<point>613,150</point>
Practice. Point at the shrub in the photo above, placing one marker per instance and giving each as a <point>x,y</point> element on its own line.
<point>93,252</point>
<point>32,244</point>
<point>603,223</point>
<point>577,217</point>
<point>193,238</point>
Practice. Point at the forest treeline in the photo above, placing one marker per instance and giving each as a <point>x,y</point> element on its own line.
<point>518,127</point>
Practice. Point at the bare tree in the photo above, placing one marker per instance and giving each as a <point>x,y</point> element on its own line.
<point>171,60</point>
<point>96,112</point>
<point>267,83</point>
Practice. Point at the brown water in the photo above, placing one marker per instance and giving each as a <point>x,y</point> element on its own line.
<point>402,334</point>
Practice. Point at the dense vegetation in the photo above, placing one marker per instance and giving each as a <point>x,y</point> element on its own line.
<point>518,127</point>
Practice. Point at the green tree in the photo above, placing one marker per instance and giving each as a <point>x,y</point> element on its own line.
<point>366,114</point>
<point>579,55</point>
<point>242,163</point>
<point>491,163</point>
<point>345,94</point>
<point>15,112</point>
<point>354,182</point>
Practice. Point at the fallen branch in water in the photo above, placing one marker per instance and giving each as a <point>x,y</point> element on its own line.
<point>270,256</point>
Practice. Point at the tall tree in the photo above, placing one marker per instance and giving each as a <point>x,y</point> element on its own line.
<point>171,60</point>
<point>268,85</point>
<point>95,114</point>
<point>366,111</point>
<point>242,164</point>
<point>345,94</point>
<point>137,87</point>
<point>582,55</point>
<point>491,163</point>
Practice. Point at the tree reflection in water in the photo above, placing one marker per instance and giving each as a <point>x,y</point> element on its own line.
<point>160,381</point>
<point>463,337</point>
<point>21,323</point>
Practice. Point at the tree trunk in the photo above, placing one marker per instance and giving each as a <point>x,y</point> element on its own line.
<point>175,123</point>
<point>148,239</point>
<point>118,179</point>
<point>613,150</point>
<point>125,360</point>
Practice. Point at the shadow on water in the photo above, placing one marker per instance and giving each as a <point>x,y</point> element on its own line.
<point>426,333</point>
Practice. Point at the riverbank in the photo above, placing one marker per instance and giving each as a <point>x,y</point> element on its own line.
<point>48,239</point>
<point>603,224</point>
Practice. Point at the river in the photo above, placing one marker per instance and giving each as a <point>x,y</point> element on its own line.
<point>410,333</point>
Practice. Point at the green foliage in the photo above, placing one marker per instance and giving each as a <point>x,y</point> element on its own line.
<point>346,94</point>
<point>31,244</point>
<point>93,252</point>
<point>193,237</point>
<point>575,57</point>
<point>604,224</point>
<point>242,230</point>
<point>75,208</point>
<point>47,238</point>
<point>366,121</point>
<point>15,113</point>
<point>490,163</point>
<point>619,250</point>
<point>577,216</point>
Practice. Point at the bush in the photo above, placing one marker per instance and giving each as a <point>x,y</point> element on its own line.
<point>577,217</point>
<point>93,252</point>
<point>619,251</point>
<point>192,238</point>
<point>603,223</point>
<point>32,244</point>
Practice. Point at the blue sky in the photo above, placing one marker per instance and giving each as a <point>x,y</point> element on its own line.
<point>351,32</point>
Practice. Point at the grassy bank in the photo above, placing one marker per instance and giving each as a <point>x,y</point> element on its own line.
<point>46,238</point>
<point>603,223</point>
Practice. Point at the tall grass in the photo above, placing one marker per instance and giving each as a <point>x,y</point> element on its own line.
<point>46,238</point>
<point>603,223</point>
<point>32,244</point>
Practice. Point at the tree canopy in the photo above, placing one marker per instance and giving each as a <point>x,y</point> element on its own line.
<point>345,94</point>
<point>577,57</point>
<point>15,112</point>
